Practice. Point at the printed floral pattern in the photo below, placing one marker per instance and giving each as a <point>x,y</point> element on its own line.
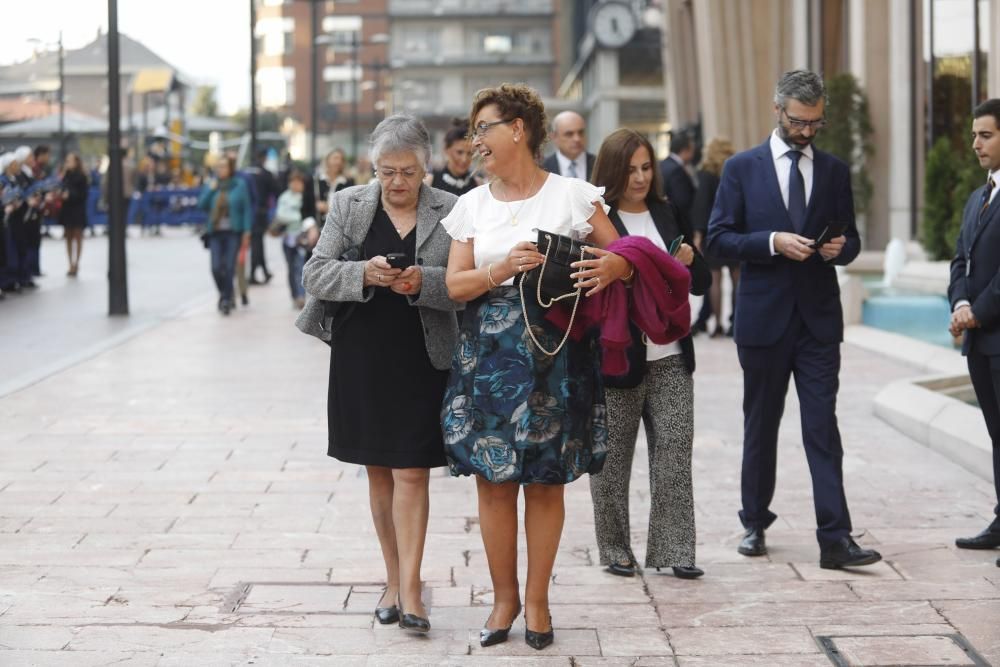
<point>511,413</point>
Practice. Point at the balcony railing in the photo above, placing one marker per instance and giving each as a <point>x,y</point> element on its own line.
<point>449,8</point>
<point>411,59</point>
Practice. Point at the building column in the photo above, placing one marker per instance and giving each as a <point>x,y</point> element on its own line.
<point>604,110</point>
<point>993,66</point>
<point>901,97</point>
<point>857,41</point>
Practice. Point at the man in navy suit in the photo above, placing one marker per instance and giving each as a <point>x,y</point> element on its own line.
<point>974,294</point>
<point>678,183</point>
<point>774,201</point>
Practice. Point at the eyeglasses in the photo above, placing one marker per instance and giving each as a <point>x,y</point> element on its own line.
<point>388,173</point>
<point>483,127</point>
<point>799,124</point>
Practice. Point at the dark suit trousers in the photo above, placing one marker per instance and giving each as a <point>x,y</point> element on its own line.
<point>766,371</point>
<point>985,373</point>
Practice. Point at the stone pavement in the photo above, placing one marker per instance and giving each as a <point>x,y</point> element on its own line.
<point>169,502</point>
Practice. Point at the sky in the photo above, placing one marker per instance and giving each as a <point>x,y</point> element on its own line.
<point>207,40</point>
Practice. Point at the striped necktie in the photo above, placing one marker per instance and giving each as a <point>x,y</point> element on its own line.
<point>987,194</point>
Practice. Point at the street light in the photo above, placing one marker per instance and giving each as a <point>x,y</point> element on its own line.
<point>355,68</point>
<point>62,95</point>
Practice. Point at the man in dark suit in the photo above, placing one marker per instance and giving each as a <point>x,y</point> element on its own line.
<point>569,134</point>
<point>678,184</point>
<point>773,202</point>
<point>974,294</point>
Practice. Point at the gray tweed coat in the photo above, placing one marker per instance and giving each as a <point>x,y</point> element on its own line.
<point>326,278</point>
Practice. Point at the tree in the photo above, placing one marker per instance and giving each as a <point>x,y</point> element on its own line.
<point>204,102</point>
<point>848,133</point>
<point>950,176</point>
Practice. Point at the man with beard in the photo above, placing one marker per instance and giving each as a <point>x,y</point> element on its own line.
<point>773,204</point>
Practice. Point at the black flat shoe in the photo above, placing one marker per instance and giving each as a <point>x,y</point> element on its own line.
<point>413,622</point>
<point>387,615</point>
<point>753,543</point>
<point>539,640</point>
<point>488,637</point>
<point>987,539</point>
<point>687,571</point>
<point>244,300</point>
<point>846,553</point>
<point>621,570</point>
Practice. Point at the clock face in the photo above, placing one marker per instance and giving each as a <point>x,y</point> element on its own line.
<point>613,24</point>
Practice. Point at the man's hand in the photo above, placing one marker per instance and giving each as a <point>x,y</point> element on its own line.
<point>962,319</point>
<point>793,246</point>
<point>832,248</point>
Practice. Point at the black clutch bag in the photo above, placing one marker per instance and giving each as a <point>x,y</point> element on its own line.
<point>551,280</point>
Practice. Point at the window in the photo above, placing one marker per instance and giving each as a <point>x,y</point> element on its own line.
<point>421,41</point>
<point>276,86</point>
<point>276,35</point>
<point>342,31</point>
<point>419,94</point>
<point>342,80</point>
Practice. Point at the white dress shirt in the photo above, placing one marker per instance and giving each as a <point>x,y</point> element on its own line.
<point>580,162</point>
<point>783,168</point>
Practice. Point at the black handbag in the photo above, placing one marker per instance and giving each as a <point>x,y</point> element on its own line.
<point>339,311</point>
<point>551,282</point>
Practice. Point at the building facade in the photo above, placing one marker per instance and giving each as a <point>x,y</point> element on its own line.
<point>922,65</point>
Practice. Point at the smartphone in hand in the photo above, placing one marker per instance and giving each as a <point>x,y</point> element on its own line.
<point>832,231</point>
<point>397,260</point>
<point>675,245</point>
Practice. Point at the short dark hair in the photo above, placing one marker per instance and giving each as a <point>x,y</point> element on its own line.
<point>612,165</point>
<point>989,108</point>
<point>459,131</point>
<point>681,140</point>
<point>41,149</point>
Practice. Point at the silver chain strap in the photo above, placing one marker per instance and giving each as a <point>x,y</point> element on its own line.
<point>524,306</point>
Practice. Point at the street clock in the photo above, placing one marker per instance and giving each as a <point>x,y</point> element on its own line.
<point>613,23</point>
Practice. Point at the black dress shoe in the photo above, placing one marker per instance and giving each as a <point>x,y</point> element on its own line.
<point>387,615</point>
<point>753,543</point>
<point>539,640</point>
<point>988,539</point>
<point>488,637</point>
<point>413,622</point>
<point>687,571</point>
<point>621,570</point>
<point>846,553</point>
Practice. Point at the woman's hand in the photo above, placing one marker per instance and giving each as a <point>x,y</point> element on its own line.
<point>409,281</point>
<point>685,254</point>
<point>378,273</point>
<point>600,272</point>
<point>522,257</point>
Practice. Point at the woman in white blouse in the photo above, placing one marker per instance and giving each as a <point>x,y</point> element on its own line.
<point>514,415</point>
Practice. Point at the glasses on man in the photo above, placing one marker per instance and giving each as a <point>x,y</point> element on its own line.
<point>388,173</point>
<point>799,124</point>
<point>483,127</point>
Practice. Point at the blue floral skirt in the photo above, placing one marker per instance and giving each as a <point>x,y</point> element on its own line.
<point>512,413</point>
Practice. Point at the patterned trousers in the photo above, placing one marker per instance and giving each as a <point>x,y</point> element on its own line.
<point>665,402</point>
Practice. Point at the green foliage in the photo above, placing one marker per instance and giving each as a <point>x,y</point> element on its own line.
<point>848,133</point>
<point>204,102</point>
<point>950,176</point>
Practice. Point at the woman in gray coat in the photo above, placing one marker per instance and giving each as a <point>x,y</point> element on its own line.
<point>380,263</point>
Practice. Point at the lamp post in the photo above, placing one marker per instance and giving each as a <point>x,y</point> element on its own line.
<point>314,83</point>
<point>117,278</point>
<point>253,81</point>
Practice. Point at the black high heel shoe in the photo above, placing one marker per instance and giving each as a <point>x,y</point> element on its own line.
<point>488,637</point>
<point>539,640</point>
<point>387,615</point>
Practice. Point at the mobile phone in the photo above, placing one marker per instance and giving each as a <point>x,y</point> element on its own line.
<point>675,245</point>
<point>832,231</point>
<point>397,260</point>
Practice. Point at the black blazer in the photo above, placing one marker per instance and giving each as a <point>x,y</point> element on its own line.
<point>551,164</point>
<point>678,187</point>
<point>670,225</point>
<point>975,271</point>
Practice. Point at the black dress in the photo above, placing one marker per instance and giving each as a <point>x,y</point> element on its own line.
<point>385,396</point>
<point>456,185</point>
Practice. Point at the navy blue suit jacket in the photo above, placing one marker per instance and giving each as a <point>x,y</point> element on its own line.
<point>975,273</point>
<point>748,208</point>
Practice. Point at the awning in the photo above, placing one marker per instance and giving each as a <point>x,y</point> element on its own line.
<point>153,80</point>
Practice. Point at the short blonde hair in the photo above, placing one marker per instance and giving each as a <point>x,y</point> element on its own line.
<point>717,152</point>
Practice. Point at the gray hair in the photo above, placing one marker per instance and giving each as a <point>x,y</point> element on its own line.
<point>398,133</point>
<point>801,85</point>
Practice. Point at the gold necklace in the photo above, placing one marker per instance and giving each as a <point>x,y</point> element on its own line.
<point>513,215</point>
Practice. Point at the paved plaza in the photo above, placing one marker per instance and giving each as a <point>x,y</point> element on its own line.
<point>169,501</point>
